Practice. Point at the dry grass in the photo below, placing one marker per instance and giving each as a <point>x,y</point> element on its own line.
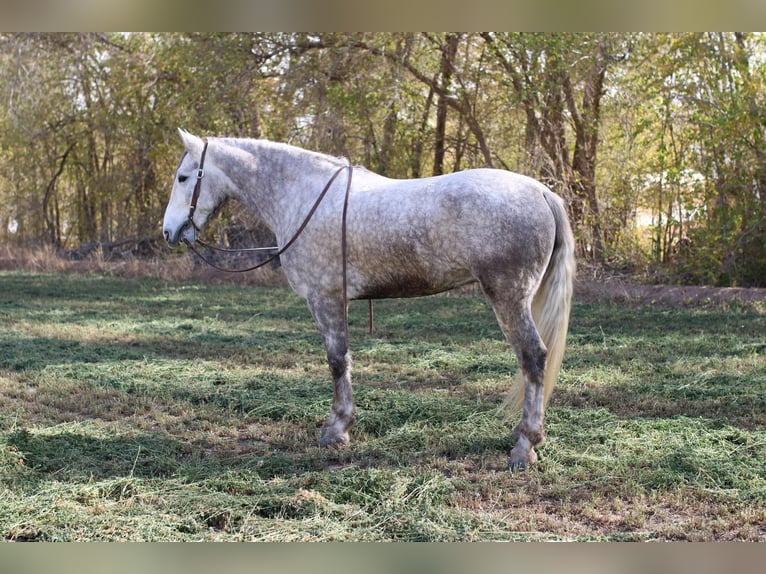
<point>168,266</point>
<point>150,409</point>
<point>594,285</point>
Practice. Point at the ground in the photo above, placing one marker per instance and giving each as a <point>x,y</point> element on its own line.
<point>675,295</point>
<point>175,409</point>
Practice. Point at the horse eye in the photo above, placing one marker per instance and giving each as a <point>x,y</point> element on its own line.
<point>182,178</point>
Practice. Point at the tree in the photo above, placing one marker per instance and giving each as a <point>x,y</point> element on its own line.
<point>668,126</point>
<point>559,80</point>
<point>708,123</point>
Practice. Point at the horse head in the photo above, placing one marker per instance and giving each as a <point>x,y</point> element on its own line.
<point>198,191</point>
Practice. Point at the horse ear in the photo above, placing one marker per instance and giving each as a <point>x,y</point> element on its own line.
<point>192,143</point>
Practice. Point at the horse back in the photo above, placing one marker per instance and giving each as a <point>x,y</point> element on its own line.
<point>420,237</point>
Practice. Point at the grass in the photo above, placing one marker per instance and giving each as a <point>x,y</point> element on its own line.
<point>151,410</point>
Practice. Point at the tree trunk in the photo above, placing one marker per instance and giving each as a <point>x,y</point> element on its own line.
<point>448,53</point>
<point>52,223</point>
<point>420,137</point>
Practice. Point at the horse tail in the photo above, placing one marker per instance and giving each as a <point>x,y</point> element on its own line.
<point>551,304</point>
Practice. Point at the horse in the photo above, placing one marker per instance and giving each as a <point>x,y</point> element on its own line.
<point>397,238</point>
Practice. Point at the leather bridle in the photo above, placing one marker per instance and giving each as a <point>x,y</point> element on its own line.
<point>320,197</point>
<point>197,186</point>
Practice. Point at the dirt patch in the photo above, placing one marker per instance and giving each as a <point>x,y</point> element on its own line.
<point>670,295</point>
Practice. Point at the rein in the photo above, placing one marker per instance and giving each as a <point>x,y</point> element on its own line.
<point>320,197</point>
<point>193,208</point>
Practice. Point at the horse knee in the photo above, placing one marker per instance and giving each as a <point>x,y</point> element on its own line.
<point>340,364</point>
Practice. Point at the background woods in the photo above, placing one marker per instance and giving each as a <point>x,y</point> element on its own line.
<point>656,141</point>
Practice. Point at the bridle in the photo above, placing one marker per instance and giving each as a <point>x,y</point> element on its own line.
<point>193,208</point>
<point>190,223</point>
<point>197,187</point>
<point>286,246</point>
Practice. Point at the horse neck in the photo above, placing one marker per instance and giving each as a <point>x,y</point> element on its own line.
<point>281,181</point>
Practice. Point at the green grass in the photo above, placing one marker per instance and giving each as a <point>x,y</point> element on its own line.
<point>144,410</point>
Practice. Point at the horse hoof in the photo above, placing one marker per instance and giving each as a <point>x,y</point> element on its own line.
<point>329,440</point>
<point>520,465</point>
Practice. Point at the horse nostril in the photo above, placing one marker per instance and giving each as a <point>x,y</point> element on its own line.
<point>166,233</point>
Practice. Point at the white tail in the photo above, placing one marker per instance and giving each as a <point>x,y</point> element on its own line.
<point>551,306</point>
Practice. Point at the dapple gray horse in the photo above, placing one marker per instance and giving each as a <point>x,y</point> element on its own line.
<point>403,238</point>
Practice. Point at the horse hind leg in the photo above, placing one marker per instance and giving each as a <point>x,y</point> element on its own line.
<point>515,319</point>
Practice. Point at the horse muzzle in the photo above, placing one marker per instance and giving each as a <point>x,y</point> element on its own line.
<point>185,233</point>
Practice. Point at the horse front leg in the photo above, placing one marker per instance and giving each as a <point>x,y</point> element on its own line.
<point>330,317</point>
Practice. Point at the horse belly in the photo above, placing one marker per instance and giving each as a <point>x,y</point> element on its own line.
<point>405,270</point>
<point>400,285</point>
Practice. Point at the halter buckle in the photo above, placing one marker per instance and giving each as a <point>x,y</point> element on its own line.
<point>200,173</point>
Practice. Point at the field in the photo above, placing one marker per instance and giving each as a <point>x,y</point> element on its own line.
<point>141,409</point>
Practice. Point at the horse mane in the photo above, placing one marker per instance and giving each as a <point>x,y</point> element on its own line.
<point>285,148</point>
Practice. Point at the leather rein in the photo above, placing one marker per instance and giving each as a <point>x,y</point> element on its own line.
<point>320,197</point>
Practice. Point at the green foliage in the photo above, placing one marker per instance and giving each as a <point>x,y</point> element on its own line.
<point>705,165</point>
<point>143,410</point>
<point>627,127</point>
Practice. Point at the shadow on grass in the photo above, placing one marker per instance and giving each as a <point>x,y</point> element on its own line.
<point>76,457</point>
<point>394,430</point>
<point>728,404</point>
<point>21,353</point>
<point>69,455</point>
<point>649,362</point>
